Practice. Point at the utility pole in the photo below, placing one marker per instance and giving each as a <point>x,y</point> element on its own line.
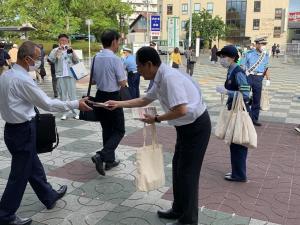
<point>89,22</point>
<point>147,21</point>
<point>191,22</point>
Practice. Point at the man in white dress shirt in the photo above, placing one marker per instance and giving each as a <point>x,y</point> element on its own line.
<point>181,99</point>
<point>18,96</point>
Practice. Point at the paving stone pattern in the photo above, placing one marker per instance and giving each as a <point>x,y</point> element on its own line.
<point>271,196</point>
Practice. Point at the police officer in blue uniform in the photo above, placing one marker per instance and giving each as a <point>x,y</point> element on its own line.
<point>255,64</point>
<point>236,80</point>
<point>133,77</point>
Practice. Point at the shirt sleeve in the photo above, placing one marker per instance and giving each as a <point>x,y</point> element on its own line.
<point>119,70</point>
<point>175,91</point>
<point>51,56</point>
<point>30,92</point>
<point>152,93</point>
<point>242,82</point>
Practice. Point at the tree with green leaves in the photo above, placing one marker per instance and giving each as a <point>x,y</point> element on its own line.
<point>207,27</point>
<point>63,16</point>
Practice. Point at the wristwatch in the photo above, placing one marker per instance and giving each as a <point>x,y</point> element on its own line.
<point>156,119</point>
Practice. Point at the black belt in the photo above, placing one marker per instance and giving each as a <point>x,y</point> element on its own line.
<point>20,124</point>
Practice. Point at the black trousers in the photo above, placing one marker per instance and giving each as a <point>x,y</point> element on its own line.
<point>191,144</point>
<point>256,85</point>
<point>134,84</point>
<point>112,123</point>
<point>20,140</point>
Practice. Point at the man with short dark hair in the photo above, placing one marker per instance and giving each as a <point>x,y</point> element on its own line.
<point>4,57</point>
<point>109,76</point>
<point>18,96</point>
<point>182,102</point>
<point>64,57</point>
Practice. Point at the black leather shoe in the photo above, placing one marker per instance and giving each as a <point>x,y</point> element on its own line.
<point>99,164</point>
<point>230,178</point>
<point>60,193</point>
<point>110,165</point>
<point>20,221</point>
<point>256,123</point>
<point>168,214</point>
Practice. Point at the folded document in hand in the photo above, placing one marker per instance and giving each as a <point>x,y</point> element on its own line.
<point>138,113</point>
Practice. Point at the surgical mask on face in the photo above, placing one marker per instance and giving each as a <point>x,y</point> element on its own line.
<point>37,64</point>
<point>225,62</point>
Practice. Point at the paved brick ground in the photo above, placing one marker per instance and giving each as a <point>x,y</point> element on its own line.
<point>271,195</point>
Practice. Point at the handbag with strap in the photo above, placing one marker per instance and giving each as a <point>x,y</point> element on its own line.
<point>47,137</point>
<point>150,164</point>
<point>265,100</point>
<point>91,115</point>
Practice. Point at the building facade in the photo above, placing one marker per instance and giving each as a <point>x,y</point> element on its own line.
<point>247,19</point>
<point>142,7</point>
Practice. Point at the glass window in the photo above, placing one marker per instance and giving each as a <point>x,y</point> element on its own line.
<point>183,22</point>
<point>297,32</point>
<point>210,7</point>
<point>236,17</point>
<point>257,5</point>
<point>277,32</point>
<point>278,14</point>
<point>197,7</point>
<point>169,9</point>
<point>184,8</point>
<point>256,23</point>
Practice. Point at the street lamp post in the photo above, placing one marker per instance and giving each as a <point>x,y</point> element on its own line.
<point>191,23</point>
<point>147,20</point>
<point>89,22</point>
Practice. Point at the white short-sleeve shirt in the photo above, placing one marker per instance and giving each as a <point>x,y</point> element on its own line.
<point>172,87</point>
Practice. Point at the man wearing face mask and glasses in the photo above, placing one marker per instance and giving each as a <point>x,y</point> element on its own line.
<point>255,64</point>
<point>63,58</point>
<point>236,80</point>
<point>18,96</point>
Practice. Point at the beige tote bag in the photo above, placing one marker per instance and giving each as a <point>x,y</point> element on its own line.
<point>150,164</point>
<point>223,120</point>
<point>244,132</point>
<point>265,100</point>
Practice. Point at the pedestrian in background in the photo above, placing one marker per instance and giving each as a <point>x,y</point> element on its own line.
<point>214,57</point>
<point>13,52</point>
<point>52,69</point>
<point>18,96</point>
<point>176,58</point>
<point>273,50</point>
<point>184,108</point>
<point>133,77</point>
<point>190,61</point>
<point>4,58</point>
<point>277,50</point>
<point>63,58</point>
<point>236,80</point>
<point>109,76</point>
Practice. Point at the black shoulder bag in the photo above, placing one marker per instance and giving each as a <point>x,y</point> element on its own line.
<point>91,115</point>
<point>47,137</point>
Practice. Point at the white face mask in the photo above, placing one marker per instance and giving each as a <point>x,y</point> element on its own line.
<point>225,62</point>
<point>263,48</point>
<point>37,64</point>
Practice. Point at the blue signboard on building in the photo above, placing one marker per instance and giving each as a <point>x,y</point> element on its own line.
<point>155,23</point>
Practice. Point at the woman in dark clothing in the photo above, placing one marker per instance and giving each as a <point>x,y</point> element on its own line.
<point>236,81</point>
<point>214,57</point>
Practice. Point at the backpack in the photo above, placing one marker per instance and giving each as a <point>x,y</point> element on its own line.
<point>2,58</point>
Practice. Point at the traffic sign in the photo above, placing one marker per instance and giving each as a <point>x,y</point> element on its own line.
<point>155,23</point>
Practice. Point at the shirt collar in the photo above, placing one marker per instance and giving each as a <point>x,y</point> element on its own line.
<point>108,51</point>
<point>161,70</point>
<point>20,69</point>
<point>232,67</point>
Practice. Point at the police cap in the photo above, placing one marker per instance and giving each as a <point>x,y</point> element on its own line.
<point>229,51</point>
<point>261,40</point>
